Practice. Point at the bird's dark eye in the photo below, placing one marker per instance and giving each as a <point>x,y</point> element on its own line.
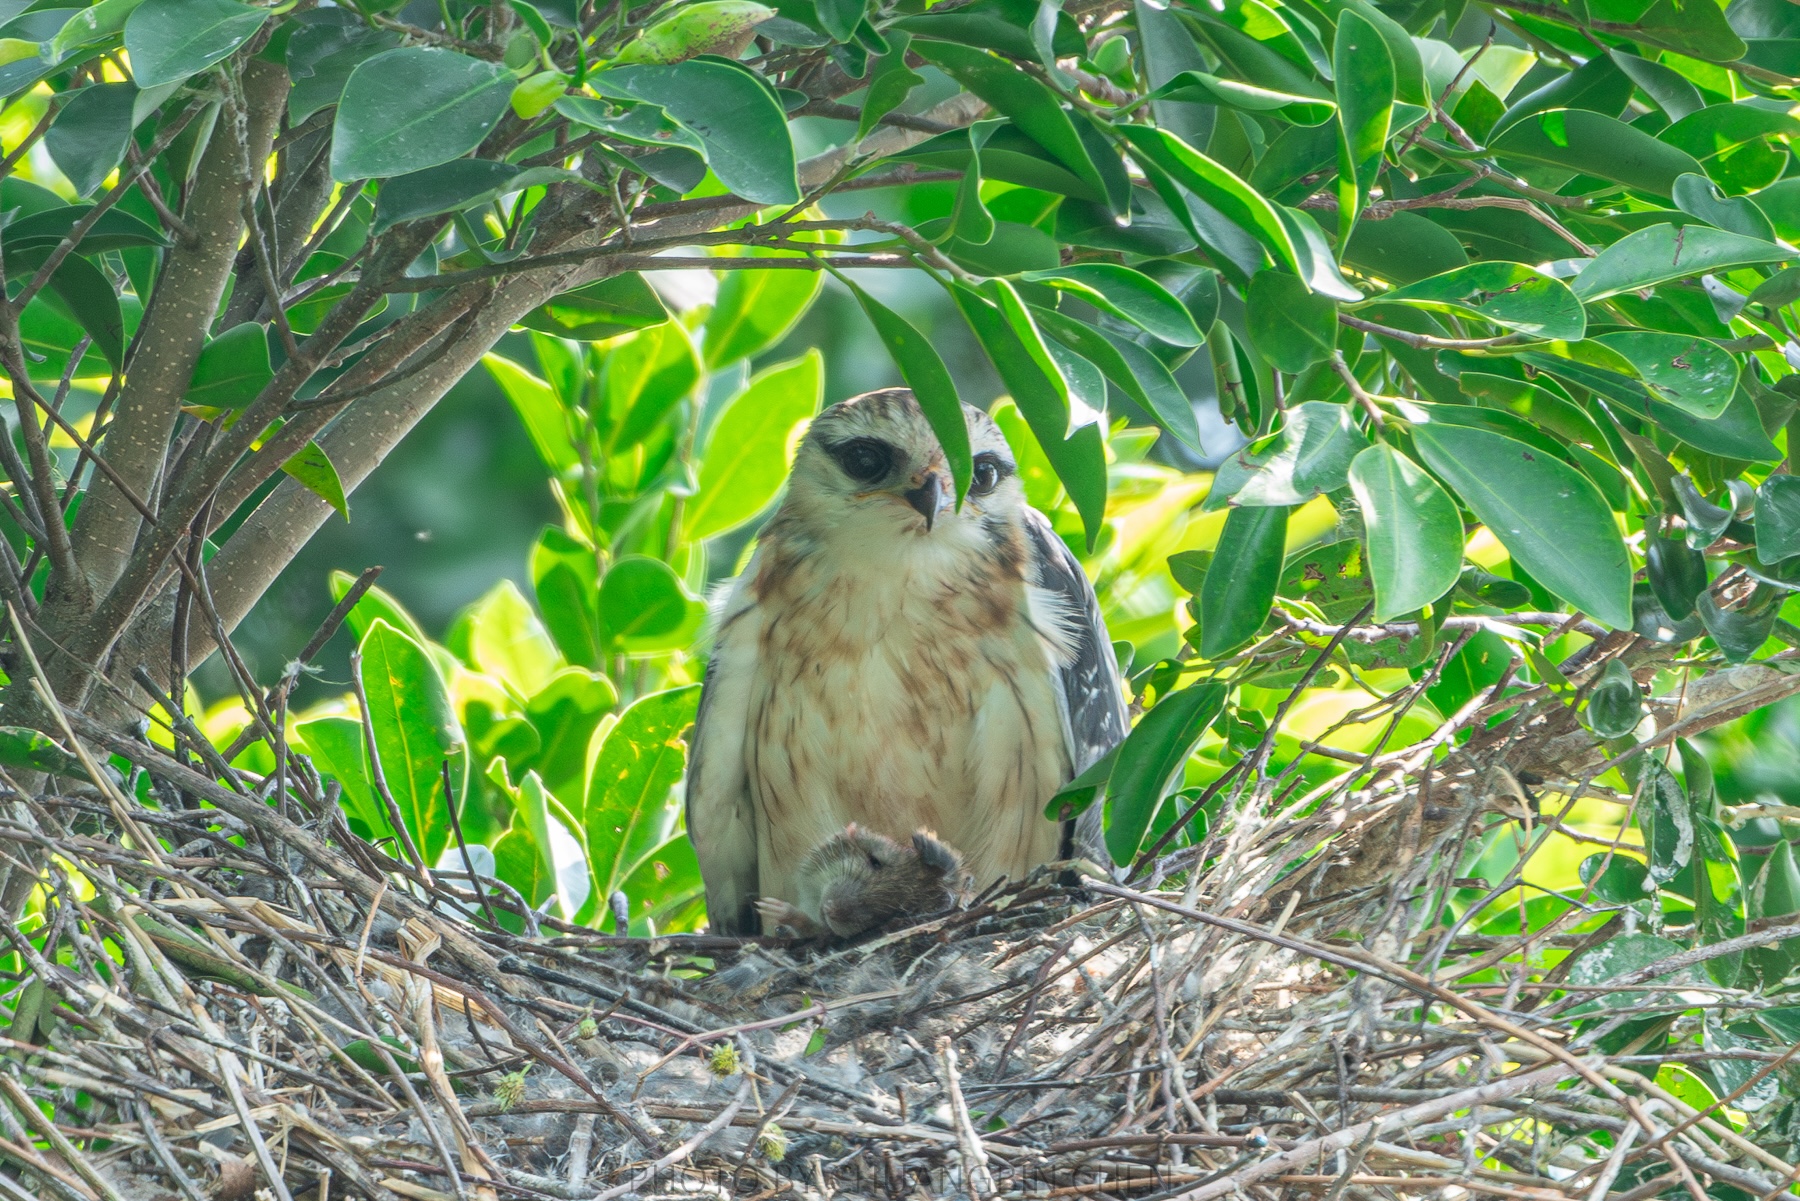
<point>864,459</point>
<point>874,862</point>
<point>987,476</point>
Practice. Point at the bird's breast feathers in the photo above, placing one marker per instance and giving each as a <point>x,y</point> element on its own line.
<point>914,693</point>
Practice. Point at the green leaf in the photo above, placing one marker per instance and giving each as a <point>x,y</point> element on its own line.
<point>525,857</point>
<point>416,729</point>
<point>44,229</point>
<point>85,295</point>
<point>891,81</point>
<point>1130,368</point>
<point>1292,326</point>
<point>453,186</point>
<point>1677,573</point>
<point>1667,822</point>
<point>1549,516</point>
<point>1033,107</point>
<point>1510,295</point>
<point>1778,518</point>
<point>755,310</point>
<point>377,604</point>
<point>566,579</point>
<point>600,310</point>
<point>930,382</point>
<point>1129,295</point>
<point>1776,895</point>
<point>1413,534</point>
<point>1731,141</point>
<point>414,107</point>
<point>644,608</point>
<point>1235,603</point>
<point>169,40</point>
<point>507,641</point>
<point>1312,455</point>
<point>1149,761</point>
<point>643,377</point>
<point>91,132</point>
<point>1037,388</point>
<point>326,46</point>
<point>232,369</point>
<point>1700,197</point>
<point>1622,881</point>
<point>1665,252</point>
<point>1364,70</point>
<point>89,27</point>
<point>1692,374</point>
<point>748,452</point>
<point>1616,704</point>
<point>545,419</point>
<point>631,808</point>
<point>1199,87</point>
<point>313,469</point>
<point>1236,201</point>
<point>1596,144</point>
<point>29,750</point>
<point>734,114</point>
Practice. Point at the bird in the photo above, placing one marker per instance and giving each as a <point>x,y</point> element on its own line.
<point>891,659</point>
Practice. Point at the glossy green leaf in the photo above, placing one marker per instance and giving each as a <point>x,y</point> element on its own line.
<point>507,642</point>
<point>232,369</point>
<point>1312,455</point>
<point>1413,534</point>
<point>453,186</point>
<point>1234,604</point>
<point>1200,87</point>
<point>313,470</point>
<point>91,132</point>
<point>1667,822</point>
<point>930,381</point>
<point>326,45</point>
<point>1033,107</point>
<point>1149,761</point>
<point>732,112</point>
<point>1616,704</point>
<point>416,729</point>
<point>642,378</point>
<point>1292,327</point>
<point>1700,197</point>
<point>45,229</point>
<point>751,444</point>
<point>169,40</point>
<point>1127,294</point>
<point>1041,395</point>
<point>1777,518</point>
<point>538,407</point>
<point>1510,295</point>
<point>1234,200</point>
<point>644,607</point>
<point>1664,252</point>
<point>890,82</point>
<point>414,107</point>
<point>1549,516</point>
<point>1677,574</point>
<point>1364,70</point>
<point>1598,145</point>
<point>1130,368</point>
<point>755,310</point>
<point>1692,374</point>
<point>565,577</point>
<point>631,806</point>
<point>524,857</point>
<point>600,310</point>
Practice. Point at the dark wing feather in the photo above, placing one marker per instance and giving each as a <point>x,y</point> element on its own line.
<point>720,820</point>
<point>1088,687</point>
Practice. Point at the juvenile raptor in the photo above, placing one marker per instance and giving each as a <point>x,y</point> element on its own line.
<point>889,660</point>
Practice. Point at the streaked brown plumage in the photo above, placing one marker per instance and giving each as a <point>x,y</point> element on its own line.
<point>889,661</point>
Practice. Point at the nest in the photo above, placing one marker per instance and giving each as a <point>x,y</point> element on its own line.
<point>279,1010</point>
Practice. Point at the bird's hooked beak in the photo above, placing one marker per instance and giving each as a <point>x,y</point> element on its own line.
<point>933,495</point>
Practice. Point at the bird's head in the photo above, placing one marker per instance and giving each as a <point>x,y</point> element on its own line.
<point>871,467</point>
